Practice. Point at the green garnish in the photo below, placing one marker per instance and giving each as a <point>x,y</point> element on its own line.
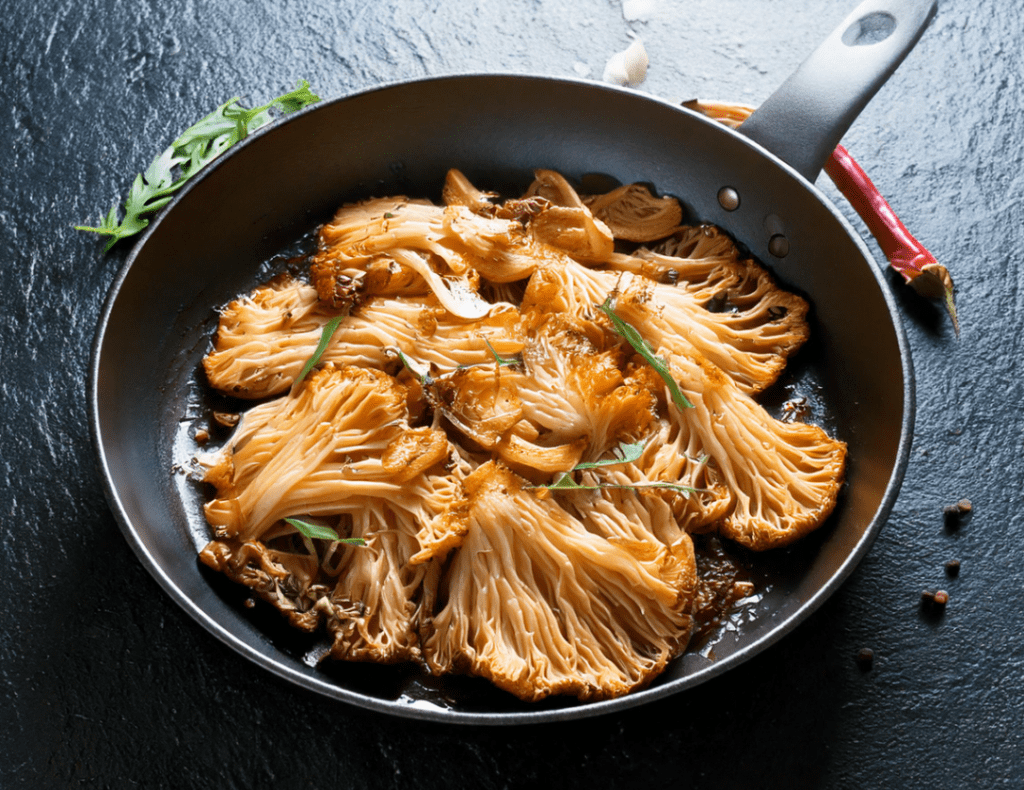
<point>643,348</point>
<point>499,359</point>
<point>566,483</point>
<point>425,378</point>
<point>625,453</point>
<point>322,533</point>
<point>325,340</point>
<point>195,148</point>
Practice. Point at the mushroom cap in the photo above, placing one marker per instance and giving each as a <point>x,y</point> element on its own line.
<point>265,338</point>
<point>632,213</point>
<point>540,605</point>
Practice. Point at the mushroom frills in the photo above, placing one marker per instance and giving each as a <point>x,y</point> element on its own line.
<point>521,473</point>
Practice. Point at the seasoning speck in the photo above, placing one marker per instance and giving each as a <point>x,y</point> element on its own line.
<point>954,514</point>
<point>865,658</point>
<point>953,568</point>
<point>933,604</point>
<point>227,419</point>
<point>250,603</point>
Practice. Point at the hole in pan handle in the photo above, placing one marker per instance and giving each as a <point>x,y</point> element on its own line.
<point>803,121</point>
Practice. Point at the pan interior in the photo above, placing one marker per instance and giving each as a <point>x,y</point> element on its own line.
<point>402,139</point>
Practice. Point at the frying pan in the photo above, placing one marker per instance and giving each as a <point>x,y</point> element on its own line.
<point>210,244</point>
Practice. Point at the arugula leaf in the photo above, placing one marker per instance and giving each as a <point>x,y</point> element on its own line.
<point>322,533</point>
<point>194,148</point>
<point>643,348</point>
<point>325,340</point>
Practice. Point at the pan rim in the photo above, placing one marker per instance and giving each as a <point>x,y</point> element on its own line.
<point>437,713</point>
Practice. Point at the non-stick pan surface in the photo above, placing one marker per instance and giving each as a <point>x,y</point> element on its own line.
<point>210,244</point>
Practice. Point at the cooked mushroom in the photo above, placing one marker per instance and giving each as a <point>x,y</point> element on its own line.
<point>264,339</point>
<point>784,476</point>
<point>632,213</point>
<point>335,449</point>
<point>576,389</point>
<point>508,533</point>
<point>568,224</point>
<point>458,191</point>
<point>313,452</point>
<point>540,605</point>
<point>750,345</point>
<point>391,246</point>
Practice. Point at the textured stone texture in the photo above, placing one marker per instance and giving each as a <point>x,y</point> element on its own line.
<point>104,682</point>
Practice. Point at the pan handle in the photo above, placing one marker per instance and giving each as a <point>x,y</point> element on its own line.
<point>803,121</point>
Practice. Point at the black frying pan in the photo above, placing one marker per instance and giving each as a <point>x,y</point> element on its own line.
<point>207,247</point>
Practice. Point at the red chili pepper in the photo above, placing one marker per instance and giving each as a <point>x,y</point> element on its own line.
<point>905,253</point>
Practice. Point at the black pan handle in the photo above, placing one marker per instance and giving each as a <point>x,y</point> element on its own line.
<point>803,121</point>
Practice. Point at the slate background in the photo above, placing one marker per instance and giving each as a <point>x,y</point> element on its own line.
<point>105,682</point>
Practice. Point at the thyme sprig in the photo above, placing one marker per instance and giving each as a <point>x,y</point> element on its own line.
<point>194,148</point>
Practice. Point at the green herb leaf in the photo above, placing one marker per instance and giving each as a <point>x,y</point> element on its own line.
<point>196,147</point>
<point>322,533</point>
<point>325,340</point>
<point>499,359</point>
<point>566,483</point>
<point>626,454</point>
<point>423,375</point>
<point>643,348</point>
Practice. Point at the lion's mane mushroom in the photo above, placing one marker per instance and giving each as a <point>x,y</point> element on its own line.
<point>565,222</point>
<point>752,351</point>
<point>389,247</point>
<point>525,519</point>
<point>540,605</point>
<point>784,477</point>
<point>264,339</point>
<point>632,213</point>
<point>341,448</point>
<point>576,389</point>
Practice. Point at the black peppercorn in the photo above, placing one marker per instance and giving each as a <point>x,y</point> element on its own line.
<point>953,514</point>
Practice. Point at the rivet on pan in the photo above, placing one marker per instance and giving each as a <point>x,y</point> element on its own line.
<point>728,198</point>
<point>778,245</point>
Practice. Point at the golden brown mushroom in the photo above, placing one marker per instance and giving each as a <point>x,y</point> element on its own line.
<point>632,213</point>
<point>540,605</point>
<point>264,339</point>
<point>470,564</point>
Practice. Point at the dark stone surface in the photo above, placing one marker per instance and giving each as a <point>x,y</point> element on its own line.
<point>105,682</point>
